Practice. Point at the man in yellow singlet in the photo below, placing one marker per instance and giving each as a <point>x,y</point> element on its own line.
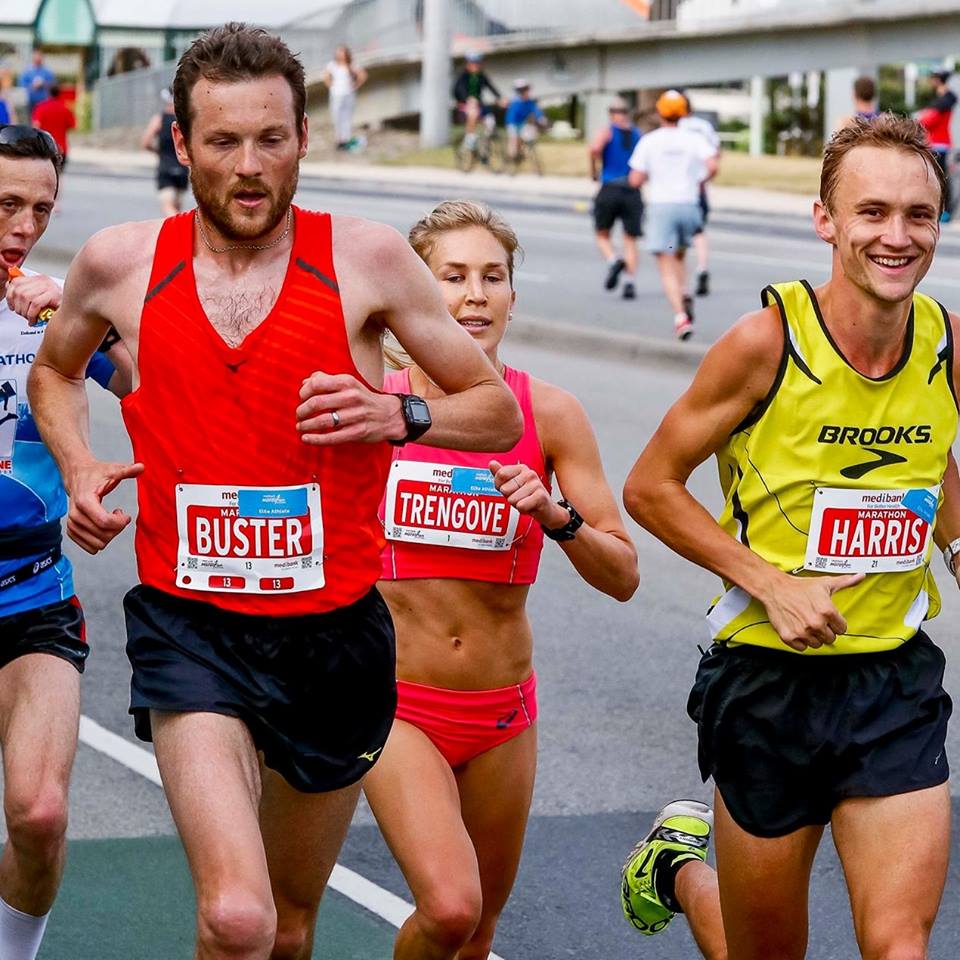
<point>831,412</point>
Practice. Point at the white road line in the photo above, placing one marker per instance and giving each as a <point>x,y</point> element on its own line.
<point>118,748</point>
<point>386,905</point>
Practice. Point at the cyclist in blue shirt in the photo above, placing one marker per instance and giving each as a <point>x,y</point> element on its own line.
<point>521,109</point>
<point>42,642</point>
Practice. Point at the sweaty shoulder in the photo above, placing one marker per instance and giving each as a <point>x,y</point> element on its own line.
<point>367,242</point>
<point>747,357</point>
<point>557,413</point>
<point>130,245</point>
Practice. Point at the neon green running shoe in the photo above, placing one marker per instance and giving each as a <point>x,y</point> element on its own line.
<point>681,828</point>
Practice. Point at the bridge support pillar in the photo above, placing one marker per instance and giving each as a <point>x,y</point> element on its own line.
<point>838,99</point>
<point>435,75</point>
<point>758,111</point>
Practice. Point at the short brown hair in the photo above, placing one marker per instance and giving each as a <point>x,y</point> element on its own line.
<point>886,130</point>
<point>864,88</point>
<point>233,53</point>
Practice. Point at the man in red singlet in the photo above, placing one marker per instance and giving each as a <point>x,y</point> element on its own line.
<point>263,657</point>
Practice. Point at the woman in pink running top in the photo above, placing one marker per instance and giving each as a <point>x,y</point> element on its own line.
<point>464,531</point>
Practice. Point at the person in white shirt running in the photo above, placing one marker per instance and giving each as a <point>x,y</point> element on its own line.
<point>343,80</point>
<point>701,246</point>
<point>673,163</point>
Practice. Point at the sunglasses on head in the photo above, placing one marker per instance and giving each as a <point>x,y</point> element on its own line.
<point>13,134</point>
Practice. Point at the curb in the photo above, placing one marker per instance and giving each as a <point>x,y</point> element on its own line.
<point>606,344</point>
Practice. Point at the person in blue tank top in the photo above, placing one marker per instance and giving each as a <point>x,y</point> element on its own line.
<point>610,153</point>
<point>522,111</point>
<point>42,642</point>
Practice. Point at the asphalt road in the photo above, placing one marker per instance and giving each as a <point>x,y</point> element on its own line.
<point>614,739</point>
<point>561,277</point>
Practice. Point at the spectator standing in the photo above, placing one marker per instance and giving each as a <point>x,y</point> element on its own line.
<point>7,112</point>
<point>610,153</point>
<point>935,119</point>
<point>343,80</point>
<point>673,163</point>
<point>36,80</point>
<point>172,175</point>
<point>54,116</point>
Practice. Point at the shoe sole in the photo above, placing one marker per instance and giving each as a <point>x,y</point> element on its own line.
<point>614,275</point>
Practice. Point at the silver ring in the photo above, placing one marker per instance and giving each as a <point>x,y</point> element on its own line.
<point>336,418</point>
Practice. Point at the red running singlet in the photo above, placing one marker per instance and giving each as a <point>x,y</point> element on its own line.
<point>234,508</point>
<point>442,515</point>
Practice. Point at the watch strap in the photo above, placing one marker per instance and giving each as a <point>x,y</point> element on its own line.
<point>569,530</point>
<point>415,428</point>
<point>950,554</point>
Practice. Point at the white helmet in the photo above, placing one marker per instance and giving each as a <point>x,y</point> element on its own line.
<point>521,83</point>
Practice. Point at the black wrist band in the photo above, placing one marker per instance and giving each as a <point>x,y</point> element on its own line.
<point>109,340</point>
<point>569,530</point>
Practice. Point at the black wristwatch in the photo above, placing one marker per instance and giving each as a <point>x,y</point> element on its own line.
<point>569,530</point>
<point>416,415</point>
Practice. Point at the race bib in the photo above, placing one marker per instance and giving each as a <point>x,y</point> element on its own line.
<point>870,531</point>
<point>8,423</point>
<point>249,539</point>
<point>447,507</point>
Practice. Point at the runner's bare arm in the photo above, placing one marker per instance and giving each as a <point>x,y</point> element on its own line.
<point>58,396</point>
<point>601,552</point>
<point>149,139</point>
<point>948,514</point>
<point>733,379</point>
<point>479,413</point>
<point>600,140</point>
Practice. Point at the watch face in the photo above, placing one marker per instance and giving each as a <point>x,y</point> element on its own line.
<point>417,411</point>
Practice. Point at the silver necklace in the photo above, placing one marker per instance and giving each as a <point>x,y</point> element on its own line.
<point>245,246</point>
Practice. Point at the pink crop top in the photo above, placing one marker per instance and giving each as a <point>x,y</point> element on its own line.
<point>442,515</point>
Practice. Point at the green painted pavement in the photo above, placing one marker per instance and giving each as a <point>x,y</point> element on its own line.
<point>133,900</point>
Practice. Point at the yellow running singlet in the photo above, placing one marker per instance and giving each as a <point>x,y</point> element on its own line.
<point>837,472</point>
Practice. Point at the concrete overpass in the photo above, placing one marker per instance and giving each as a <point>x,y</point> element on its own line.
<point>838,36</point>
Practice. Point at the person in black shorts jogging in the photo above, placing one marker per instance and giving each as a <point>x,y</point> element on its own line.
<point>172,175</point>
<point>610,154</point>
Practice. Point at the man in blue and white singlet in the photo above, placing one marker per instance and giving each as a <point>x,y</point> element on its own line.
<point>42,642</point>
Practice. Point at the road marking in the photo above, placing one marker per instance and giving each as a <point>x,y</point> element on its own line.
<point>386,905</point>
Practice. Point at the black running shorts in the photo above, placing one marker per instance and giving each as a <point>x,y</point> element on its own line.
<point>57,629</point>
<point>179,180</point>
<point>787,737</point>
<point>317,692</point>
<point>618,201</point>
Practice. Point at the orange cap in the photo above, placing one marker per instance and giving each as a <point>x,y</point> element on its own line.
<point>672,105</point>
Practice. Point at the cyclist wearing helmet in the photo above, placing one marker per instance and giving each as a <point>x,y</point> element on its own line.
<point>468,92</point>
<point>519,113</point>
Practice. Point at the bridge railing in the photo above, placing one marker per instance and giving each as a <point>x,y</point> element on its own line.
<point>382,29</point>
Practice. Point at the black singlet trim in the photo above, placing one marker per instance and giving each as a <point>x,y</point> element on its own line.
<point>901,363</point>
<point>740,515</point>
<point>152,293</point>
<point>761,408</point>
<point>322,277</point>
<point>945,357</point>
